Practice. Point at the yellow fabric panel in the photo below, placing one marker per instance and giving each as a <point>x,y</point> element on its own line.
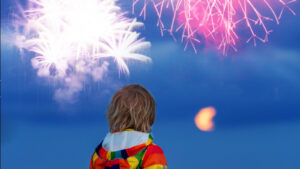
<point>95,156</point>
<point>108,155</point>
<point>129,130</point>
<point>156,166</point>
<point>133,162</point>
<point>149,142</point>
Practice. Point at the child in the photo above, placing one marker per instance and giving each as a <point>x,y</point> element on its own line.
<point>131,113</point>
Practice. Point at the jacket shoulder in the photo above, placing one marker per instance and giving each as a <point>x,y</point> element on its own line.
<point>154,156</point>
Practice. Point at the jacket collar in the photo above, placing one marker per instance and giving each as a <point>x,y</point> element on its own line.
<point>123,153</point>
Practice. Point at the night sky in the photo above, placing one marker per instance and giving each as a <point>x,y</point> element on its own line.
<point>255,91</point>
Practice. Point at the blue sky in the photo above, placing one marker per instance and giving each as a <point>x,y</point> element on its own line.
<point>255,91</point>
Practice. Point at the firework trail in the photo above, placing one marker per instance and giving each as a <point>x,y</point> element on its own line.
<point>74,39</point>
<point>218,22</point>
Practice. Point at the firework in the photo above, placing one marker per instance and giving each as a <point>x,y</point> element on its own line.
<point>75,37</point>
<point>218,22</point>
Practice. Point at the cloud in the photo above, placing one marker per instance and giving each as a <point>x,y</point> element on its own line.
<point>8,38</point>
<point>73,83</point>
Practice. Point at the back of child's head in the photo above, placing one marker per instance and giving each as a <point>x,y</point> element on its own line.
<point>132,107</point>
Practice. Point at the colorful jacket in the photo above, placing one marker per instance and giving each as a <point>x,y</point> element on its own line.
<point>146,155</point>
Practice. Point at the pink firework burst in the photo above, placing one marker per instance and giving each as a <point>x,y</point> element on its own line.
<point>221,23</point>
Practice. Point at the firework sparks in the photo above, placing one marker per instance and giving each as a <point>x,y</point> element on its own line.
<point>218,21</point>
<point>75,37</point>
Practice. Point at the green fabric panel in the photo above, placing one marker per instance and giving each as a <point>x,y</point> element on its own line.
<point>140,156</point>
<point>113,155</point>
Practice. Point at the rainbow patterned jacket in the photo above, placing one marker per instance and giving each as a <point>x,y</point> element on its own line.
<point>146,155</point>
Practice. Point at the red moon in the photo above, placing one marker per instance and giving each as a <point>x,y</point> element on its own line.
<point>204,119</point>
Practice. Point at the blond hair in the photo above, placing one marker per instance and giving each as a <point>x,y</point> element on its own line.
<point>132,107</point>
